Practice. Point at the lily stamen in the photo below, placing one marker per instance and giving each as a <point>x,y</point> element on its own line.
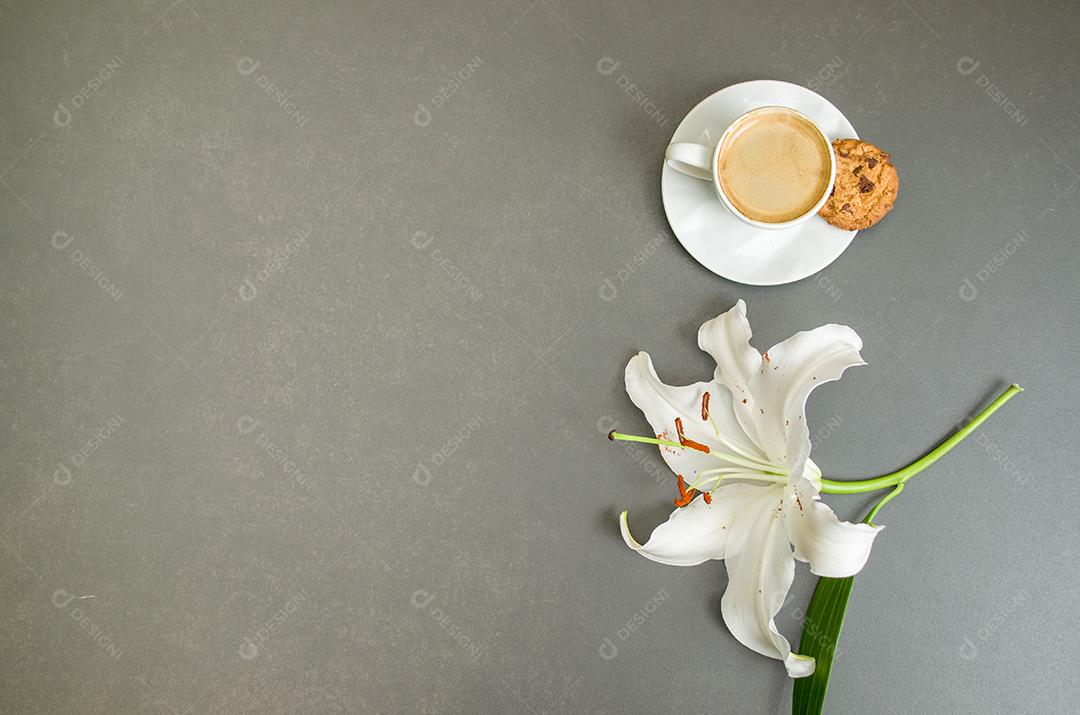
<point>706,415</point>
<point>686,441</point>
<point>699,483</point>
<point>614,436</point>
<point>685,495</point>
<point>734,447</point>
<point>745,461</point>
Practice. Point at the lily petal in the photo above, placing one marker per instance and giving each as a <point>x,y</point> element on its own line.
<point>833,548</point>
<point>662,404</point>
<point>698,531</point>
<point>789,372</point>
<point>812,474</point>
<point>760,570</point>
<point>727,338</point>
<point>799,666</point>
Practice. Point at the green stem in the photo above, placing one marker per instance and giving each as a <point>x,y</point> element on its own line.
<point>898,478</point>
<point>869,518</point>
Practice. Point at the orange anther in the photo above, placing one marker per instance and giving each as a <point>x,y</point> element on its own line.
<point>685,495</point>
<point>686,441</point>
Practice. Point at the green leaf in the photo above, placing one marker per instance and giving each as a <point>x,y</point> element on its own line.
<point>821,633</point>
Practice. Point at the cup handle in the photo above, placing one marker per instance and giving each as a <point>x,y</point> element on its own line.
<point>691,159</point>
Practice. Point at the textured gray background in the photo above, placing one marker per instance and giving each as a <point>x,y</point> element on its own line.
<point>308,390</point>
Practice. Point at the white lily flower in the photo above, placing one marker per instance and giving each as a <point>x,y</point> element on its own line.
<point>742,443</point>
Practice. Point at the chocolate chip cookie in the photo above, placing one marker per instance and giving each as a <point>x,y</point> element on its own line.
<point>865,188</point>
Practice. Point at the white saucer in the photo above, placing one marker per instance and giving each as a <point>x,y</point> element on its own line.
<point>712,234</point>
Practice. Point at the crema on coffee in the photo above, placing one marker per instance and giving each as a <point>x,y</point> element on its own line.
<point>774,165</point>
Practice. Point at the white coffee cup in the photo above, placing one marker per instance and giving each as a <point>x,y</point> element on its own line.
<point>703,162</point>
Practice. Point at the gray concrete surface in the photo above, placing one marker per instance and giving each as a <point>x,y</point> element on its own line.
<point>304,354</point>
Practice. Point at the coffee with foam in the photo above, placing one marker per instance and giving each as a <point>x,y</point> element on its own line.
<point>774,165</point>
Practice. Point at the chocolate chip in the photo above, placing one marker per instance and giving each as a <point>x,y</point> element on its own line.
<point>857,169</point>
<point>847,208</point>
<point>842,153</point>
<point>871,162</point>
<point>865,185</point>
